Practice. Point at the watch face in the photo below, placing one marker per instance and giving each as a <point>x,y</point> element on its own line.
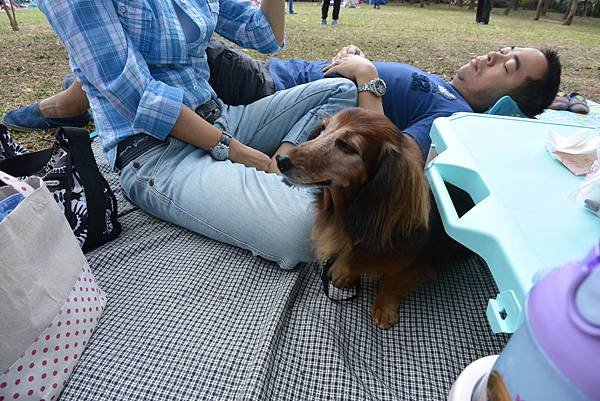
<point>379,86</point>
<point>220,152</point>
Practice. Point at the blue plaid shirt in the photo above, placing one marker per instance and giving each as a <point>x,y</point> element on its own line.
<point>135,64</point>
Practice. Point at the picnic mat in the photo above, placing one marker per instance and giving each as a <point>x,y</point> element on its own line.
<point>189,318</point>
<point>591,119</point>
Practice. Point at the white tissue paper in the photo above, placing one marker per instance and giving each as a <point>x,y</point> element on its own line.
<point>576,152</point>
<point>588,192</point>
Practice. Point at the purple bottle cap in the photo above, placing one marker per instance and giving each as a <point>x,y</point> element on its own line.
<point>570,341</point>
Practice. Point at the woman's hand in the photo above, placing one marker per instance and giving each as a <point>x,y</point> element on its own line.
<point>352,66</point>
<point>240,153</point>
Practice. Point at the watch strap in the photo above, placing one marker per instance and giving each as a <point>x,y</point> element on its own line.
<point>221,150</point>
<point>376,86</point>
<point>225,138</point>
<point>366,87</point>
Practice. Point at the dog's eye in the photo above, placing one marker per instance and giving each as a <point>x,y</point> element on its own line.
<point>316,131</point>
<point>345,147</point>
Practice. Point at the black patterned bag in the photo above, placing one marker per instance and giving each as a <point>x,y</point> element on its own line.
<point>70,172</point>
<point>8,147</point>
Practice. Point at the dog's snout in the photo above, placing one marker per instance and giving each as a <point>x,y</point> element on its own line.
<point>284,163</point>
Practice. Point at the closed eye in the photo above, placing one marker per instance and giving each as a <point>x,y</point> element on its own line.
<point>345,147</point>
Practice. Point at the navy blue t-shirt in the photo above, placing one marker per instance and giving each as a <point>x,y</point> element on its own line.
<point>413,99</point>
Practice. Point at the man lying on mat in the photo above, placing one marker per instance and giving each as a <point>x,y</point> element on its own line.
<point>412,101</point>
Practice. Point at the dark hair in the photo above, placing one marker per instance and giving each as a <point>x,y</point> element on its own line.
<point>537,94</point>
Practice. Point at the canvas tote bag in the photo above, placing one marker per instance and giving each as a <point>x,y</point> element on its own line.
<point>50,302</point>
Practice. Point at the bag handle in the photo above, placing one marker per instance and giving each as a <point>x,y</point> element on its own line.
<point>20,186</point>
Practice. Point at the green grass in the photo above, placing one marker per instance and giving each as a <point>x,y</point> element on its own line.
<point>437,39</point>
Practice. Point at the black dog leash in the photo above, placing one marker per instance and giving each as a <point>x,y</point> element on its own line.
<point>340,294</point>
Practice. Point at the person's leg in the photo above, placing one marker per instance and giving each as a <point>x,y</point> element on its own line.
<point>324,11</point>
<point>68,103</point>
<point>230,202</point>
<point>336,9</point>
<point>487,9</point>
<point>235,76</point>
<point>479,13</point>
<point>291,6</point>
<point>66,108</point>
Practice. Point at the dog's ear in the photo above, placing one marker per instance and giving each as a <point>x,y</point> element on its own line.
<point>393,206</point>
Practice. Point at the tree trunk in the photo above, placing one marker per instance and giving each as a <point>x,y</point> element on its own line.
<point>538,10</point>
<point>546,5</point>
<point>471,4</point>
<point>422,3</point>
<point>567,10</point>
<point>10,11</point>
<point>513,5</point>
<point>571,13</point>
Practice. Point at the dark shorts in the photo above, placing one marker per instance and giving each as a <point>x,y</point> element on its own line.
<point>236,77</point>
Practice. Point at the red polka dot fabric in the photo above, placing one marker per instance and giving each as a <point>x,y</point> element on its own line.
<point>20,186</point>
<point>44,368</point>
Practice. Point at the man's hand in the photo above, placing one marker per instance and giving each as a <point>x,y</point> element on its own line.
<point>352,66</point>
<point>360,70</point>
<point>240,153</point>
<point>350,49</point>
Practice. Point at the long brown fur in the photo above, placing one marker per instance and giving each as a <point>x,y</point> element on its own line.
<point>373,206</point>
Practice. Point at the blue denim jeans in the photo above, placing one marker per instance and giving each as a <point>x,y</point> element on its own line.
<point>230,202</point>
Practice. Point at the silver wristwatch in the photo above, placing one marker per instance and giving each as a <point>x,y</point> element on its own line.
<point>376,86</point>
<point>220,151</point>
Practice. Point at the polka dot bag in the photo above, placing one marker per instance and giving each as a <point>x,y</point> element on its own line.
<point>50,302</point>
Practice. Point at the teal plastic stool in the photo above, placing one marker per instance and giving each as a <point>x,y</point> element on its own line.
<point>523,221</point>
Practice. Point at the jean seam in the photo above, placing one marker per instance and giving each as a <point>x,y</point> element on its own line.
<point>161,158</point>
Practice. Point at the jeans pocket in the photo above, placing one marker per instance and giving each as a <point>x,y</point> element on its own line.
<point>168,150</point>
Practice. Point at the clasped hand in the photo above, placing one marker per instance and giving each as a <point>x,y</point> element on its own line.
<point>351,63</point>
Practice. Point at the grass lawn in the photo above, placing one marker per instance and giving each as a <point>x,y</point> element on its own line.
<point>437,39</point>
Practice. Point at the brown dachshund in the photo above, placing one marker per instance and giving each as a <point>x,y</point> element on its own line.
<point>372,206</point>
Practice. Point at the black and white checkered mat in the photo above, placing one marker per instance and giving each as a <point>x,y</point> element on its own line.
<point>189,318</point>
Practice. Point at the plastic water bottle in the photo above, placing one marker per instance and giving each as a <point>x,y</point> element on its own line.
<point>555,354</point>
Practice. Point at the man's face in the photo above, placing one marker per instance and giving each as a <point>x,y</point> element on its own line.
<point>485,79</point>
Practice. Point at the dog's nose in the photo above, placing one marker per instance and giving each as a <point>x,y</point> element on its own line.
<point>284,163</point>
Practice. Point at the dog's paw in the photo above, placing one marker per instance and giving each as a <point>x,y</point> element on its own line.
<point>341,277</point>
<point>385,315</point>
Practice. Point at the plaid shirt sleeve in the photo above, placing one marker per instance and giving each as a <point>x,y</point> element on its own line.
<point>100,48</point>
<point>245,24</point>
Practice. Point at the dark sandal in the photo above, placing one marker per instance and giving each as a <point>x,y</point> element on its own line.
<point>561,102</point>
<point>577,103</point>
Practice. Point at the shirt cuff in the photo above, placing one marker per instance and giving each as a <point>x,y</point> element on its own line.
<point>158,110</point>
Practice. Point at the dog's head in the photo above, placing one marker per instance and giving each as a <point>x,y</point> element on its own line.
<point>362,155</point>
